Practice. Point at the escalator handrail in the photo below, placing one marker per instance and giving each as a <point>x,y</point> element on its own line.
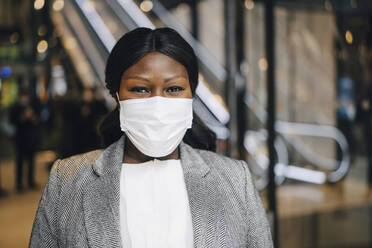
<point>74,30</point>
<point>205,57</point>
<point>313,130</point>
<point>323,131</point>
<point>96,21</point>
<point>132,10</point>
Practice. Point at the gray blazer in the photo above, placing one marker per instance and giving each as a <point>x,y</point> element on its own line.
<point>79,206</point>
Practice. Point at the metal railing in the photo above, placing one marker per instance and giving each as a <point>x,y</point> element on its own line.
<point>290,133</point>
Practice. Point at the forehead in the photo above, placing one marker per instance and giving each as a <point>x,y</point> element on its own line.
<point>156,63</point>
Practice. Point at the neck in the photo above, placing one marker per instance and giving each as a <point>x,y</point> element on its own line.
<point>133,156</point>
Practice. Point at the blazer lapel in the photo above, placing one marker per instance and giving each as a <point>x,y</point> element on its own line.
<point>202,199</point>
<point>102,199</point>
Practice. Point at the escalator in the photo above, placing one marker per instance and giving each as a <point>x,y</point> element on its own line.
<point>89,30</point>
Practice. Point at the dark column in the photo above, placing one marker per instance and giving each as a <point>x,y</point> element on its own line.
<point>369,135</point>
<point>270,55</point>
<point>231,66</point>
<point>241,80</point>
<point>194,18</point>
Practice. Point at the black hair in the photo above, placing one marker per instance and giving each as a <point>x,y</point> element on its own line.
<point>130,48</point>
<point>135,44</point>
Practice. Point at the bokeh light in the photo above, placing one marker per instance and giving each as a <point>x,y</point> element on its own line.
<point>249,4</point>
<point>349,37</point>
<point>146,6</point>
<point>42,46</point>
<point>58,5</point>
<point>39,4</point>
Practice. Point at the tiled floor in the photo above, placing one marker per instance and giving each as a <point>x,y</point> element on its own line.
<point>311,216</point>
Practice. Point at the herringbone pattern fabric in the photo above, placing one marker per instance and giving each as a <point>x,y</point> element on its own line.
<point>80,203</point>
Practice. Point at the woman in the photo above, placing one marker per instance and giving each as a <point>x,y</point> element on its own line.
<point>148,188</point>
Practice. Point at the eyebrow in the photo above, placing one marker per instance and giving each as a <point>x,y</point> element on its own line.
<point>147,80</point>
<point>137,77</point>
<point>174,77</point>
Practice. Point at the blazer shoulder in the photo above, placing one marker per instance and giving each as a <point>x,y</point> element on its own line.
<point>67,168</point>
<point>220,162</point>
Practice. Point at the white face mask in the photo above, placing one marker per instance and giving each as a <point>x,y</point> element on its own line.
<point>156,125</point>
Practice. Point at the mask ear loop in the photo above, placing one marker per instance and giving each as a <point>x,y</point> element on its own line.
<point>117,97</point>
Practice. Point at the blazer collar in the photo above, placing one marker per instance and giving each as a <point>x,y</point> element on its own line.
<point>111,159</point>
<point>192,162</point>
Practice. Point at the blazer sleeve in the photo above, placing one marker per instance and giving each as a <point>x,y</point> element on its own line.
<point>259,235</point>
<point>44,228</point>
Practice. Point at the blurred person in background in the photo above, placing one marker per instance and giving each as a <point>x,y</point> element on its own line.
<point>25,117</point>
<point>158,183</point>
<point>92,110</point>
<point>67,122</point>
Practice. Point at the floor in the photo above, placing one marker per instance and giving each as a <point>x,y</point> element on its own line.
<point>17,210</point>
<point>327,216</point>
<point>311,216</point>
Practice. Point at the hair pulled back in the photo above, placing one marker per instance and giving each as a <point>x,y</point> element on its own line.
<point>135,44</point>
<point>130,48</point>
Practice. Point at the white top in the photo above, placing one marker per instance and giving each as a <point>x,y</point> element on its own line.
<point>154,206</point>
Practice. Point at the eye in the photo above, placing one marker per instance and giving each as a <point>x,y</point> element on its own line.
<point>140,90</point>
<point>174,89</point>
